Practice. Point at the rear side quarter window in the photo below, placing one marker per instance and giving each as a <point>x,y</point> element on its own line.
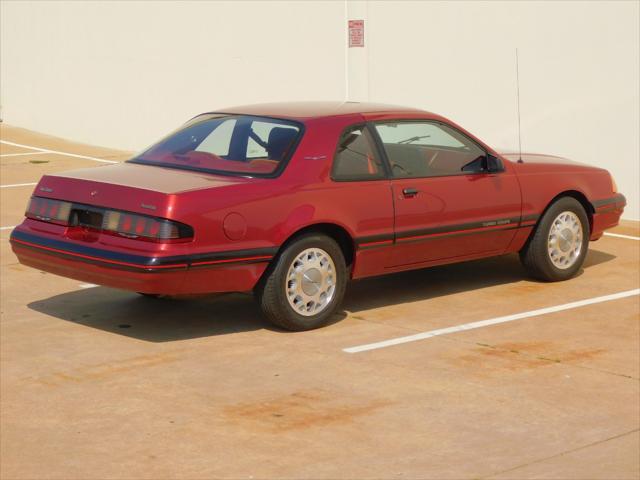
<point>356,158</point>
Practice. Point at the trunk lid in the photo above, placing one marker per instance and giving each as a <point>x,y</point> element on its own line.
<point>136,188</point>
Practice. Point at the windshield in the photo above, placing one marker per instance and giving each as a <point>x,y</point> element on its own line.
<point>228,144</point>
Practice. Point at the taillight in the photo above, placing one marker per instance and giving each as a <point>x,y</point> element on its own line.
<point>114,222</point>
<point>53,211</point>
<point>131,225</point>
<point>614,185</point>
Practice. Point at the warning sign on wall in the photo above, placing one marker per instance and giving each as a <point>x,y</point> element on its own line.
<point>356,33</point>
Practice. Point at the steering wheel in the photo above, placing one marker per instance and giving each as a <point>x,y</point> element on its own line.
<point>400,167</point>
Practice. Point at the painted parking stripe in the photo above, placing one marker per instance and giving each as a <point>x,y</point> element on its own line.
<point>21,154</point>
<point>18,185</point>
<point>88,285</point>
<point>46,150</point>
<point>628,237</point>
<point>489,322</point>
<point>11,227</point>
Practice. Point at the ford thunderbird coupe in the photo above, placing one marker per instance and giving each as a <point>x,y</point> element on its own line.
<point>290,201</point>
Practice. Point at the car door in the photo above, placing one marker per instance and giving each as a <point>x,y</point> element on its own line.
<point>451,198</point>
<point>361,194</point>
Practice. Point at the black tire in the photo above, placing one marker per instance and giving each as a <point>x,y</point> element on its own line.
<point>271,292</point>
<point>152,295</point>
<point>535,254</point>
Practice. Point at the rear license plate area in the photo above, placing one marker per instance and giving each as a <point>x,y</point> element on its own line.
<point>88,218</point>
<point>85,224</point>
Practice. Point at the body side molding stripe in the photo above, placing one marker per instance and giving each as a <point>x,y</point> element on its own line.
<point>434,236</point>
<point>385,240</point>
<point>375,240</point>
<point>527,218</point>
<point>618,198</point>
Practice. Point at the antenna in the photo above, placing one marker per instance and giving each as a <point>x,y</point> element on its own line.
<point>518,103</point>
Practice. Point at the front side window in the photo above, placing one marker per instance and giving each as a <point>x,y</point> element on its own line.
<point>355,158</point>
<point>228,144</point>
<point>427,149</point>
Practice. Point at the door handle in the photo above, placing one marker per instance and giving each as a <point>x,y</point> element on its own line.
<point>409,192</point>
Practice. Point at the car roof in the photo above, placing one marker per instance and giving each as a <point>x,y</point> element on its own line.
<point>306,110</point>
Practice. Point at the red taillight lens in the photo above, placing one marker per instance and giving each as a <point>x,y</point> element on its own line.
<point>145,228</point>
<point>114,222</point>
<point>53,211</point>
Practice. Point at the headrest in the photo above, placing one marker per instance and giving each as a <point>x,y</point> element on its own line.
<point>280,139</point>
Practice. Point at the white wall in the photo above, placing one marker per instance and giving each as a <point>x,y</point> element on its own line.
<point>122,74</point>
<point>579,74</point>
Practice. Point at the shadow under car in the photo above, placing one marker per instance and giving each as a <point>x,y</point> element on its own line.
<point>168,319</point>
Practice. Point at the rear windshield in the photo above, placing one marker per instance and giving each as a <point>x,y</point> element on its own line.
<point>227,144</point>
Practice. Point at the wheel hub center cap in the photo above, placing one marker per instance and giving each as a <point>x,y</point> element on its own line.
<point>311,281</point>
<point>566,240</point>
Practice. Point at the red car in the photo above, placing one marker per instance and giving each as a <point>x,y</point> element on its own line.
<point>293,200</point>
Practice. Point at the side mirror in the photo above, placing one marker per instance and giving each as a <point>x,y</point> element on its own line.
<point>492,164</point>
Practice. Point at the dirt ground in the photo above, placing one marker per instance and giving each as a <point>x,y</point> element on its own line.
<point>98,383</point>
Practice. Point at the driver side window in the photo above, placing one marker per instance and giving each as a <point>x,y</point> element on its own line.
<point>428,149</point>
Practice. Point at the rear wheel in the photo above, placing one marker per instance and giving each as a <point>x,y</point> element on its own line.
<point>305,285</point>
<point>558,247</point>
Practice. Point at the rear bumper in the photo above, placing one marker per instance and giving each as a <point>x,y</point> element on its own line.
<point>607,214</point>
<point>229,271</point>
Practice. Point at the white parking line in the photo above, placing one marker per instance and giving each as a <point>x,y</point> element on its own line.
<point>88,285</point>
<point>46,150</point>
<point>21,154</point>
<point>628,237</point>
<point>18,185</point>
<point>492,321</point>
<point>11,227</point>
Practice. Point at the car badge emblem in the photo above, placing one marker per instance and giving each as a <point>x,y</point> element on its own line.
<point>94,193</point>
<point>146,205</point>
<point>46,189</point>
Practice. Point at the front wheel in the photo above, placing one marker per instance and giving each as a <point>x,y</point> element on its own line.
<point>559,244</point>
<point>305,285</point>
